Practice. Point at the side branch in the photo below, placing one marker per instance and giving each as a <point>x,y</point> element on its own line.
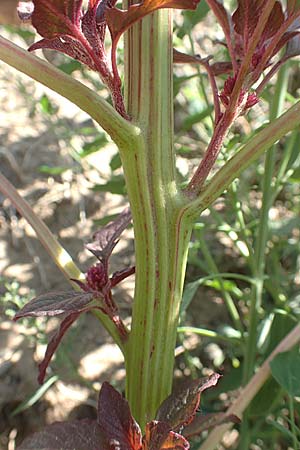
<point>120,130</point>
<point>245,156</point>
<point>220,132</point>
<point>58,254</point>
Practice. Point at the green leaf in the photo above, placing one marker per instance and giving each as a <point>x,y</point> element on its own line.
<point>285,368</point>
<point>283,430</point>
<point>265,399</point>
<point>25,34</point>
<point>115,162</point>
<point>295,177</point>
<point>196,118</point>
<point>35,397</point>
<point>188,294</point>
<point>57,170</point>
<point>282,324</point>
<point>227,285</point>
<point>47,106</point>
<point>94,146</point>
<point>115,186</point>
<point>105,220</point>
<point>192,18</point>
<point>70,66</point>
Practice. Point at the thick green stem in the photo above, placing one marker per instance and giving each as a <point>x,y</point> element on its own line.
<point>161,229</point>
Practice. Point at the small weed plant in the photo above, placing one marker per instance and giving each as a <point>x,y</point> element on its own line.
<point>259,37</point>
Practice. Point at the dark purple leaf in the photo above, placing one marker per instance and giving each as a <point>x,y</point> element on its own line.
<point>120,275</point>
<point>69,46</point>
<point>120,20</point>
<point>274,22</point>
<point>155,435</point>
<point>54,343</point>
<point>77,435</point>
<point>180,407</point>
<point>59,23</point>
<point>94,31</point>
<point>205,422</point>
<point>56,17</point>
<point>219,68</point>
<point>105,239</point>
<point>246,16</point>
<point>115,420</point>
<point>56,303</point>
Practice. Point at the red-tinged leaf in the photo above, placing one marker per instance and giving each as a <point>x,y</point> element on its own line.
<point>175,441</point>
<point>116,422</point>
<point>155,435</point>
<point>246,16</point>
<point>180,407</point>
<point>78,435</point>
<point>69,46</point>
<point>274,22</point>
<point>120,275</point>
<point>71,304</point>
<point>56,303</point>
<point>56,17</point>
<point>219,68</point>
<point>54,343</point>
<point>59,23</point>
<point>120,20</point>
<point>94,31</point>
<point>106,239</point>
<point>159,436</point>
<point>205,422</point>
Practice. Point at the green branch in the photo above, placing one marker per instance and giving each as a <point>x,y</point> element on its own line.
<point>120,130</point>
<point>249,153</point>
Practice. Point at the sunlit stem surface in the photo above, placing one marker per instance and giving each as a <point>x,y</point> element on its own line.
<point>161,229</point>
